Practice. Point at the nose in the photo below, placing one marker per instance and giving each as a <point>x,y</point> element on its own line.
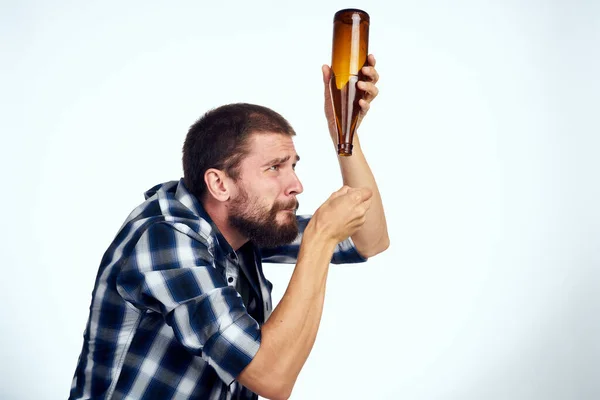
<point>294,186</point>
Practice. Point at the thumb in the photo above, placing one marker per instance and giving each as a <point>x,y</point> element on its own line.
<point>340,192</point>
<point>361,195</point>
<point>326,74</point>
<point>366,194</point>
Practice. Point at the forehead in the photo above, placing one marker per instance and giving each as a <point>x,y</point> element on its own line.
<point>266,146</point>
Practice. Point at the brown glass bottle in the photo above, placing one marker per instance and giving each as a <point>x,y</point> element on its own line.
<point>349,55</point>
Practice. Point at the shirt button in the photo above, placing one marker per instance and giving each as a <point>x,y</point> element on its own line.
<point>230,279</point>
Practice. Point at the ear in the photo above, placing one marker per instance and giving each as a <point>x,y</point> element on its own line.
<point>217,184</point>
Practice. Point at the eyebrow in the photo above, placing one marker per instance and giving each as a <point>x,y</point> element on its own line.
<point>280,160</point>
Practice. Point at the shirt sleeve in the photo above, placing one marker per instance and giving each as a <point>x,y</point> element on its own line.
<point>345,252</point>
<point>173,273</point>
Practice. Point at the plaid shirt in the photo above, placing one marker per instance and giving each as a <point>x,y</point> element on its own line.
<point>175,312</point>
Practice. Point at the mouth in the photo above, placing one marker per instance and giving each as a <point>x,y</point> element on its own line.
<point>291,206</point>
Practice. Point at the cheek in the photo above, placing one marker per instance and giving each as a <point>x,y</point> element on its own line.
<point>264,190</point>
<point>269,188</point>
<point>260,198</point>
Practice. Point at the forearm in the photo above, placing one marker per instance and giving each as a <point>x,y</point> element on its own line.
<point>372,238</point>
<point>289,334</point>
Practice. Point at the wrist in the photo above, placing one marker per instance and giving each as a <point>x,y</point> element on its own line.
<point>355,141</point>
<point>317,240</point>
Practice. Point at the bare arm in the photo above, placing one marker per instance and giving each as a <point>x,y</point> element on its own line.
<point>289,334</point>
<point>372,238</point>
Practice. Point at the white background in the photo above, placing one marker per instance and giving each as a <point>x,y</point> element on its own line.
<point>484,141</point>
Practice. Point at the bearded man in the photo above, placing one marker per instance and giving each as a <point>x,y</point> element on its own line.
<point>181,308</point>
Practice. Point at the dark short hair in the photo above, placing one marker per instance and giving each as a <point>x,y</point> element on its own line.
<point>219,139</point>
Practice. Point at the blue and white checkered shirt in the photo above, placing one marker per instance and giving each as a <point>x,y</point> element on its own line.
<point>175,312</point>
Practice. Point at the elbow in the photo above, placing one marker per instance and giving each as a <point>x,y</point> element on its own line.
<point>385,244</point>
<point>270,384</point>
<point>379,247</point>
<point>281,387</point>
<point>272,373</point>
<point>281,396</point>
<point>277,391</point>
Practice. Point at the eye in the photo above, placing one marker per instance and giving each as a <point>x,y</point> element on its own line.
<point>274,168</point>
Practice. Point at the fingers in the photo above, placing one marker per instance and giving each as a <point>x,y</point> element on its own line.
<point>370,74</point>
<point>364,105</point>
<point>358,195</point>
<point>371,60</point>
<point>343,213</point>
<point>368,85</point>
<point>371,91</point>
<point>360,212</point>
<point>364,207</point>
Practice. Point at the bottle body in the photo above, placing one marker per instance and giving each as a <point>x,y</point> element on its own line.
<point>349,55</point>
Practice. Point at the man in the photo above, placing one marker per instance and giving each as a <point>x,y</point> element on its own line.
<point>181,308</point>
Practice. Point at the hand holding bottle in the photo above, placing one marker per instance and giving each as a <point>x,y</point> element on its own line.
<point>349,100</point>
<point>368,85</point>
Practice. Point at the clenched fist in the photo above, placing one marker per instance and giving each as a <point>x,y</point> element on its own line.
<point>342,214</point>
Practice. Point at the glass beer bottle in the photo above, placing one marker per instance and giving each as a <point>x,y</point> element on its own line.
<point>349,55</point>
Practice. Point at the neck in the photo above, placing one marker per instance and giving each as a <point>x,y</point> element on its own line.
<point>219,213</point>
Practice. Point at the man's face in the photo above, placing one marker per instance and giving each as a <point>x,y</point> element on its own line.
<point>264,207</point>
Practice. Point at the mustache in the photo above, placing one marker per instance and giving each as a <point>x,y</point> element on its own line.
<point>292,204</point>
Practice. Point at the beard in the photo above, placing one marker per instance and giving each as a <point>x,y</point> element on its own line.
<point>259,223</point>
